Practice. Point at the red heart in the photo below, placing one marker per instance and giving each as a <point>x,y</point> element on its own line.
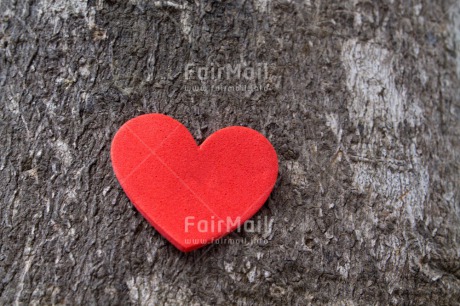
<point>193,194</point>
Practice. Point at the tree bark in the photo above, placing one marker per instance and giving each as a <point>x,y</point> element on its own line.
<point>360,99</point>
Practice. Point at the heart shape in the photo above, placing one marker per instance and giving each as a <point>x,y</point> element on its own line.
<point>193,194</point>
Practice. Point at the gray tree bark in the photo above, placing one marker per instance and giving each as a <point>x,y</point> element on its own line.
<point>362,106</point>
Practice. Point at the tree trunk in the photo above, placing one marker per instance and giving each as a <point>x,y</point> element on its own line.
<point>360,99</point>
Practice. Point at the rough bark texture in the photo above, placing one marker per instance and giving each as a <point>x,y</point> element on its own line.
<point>363,109</point>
